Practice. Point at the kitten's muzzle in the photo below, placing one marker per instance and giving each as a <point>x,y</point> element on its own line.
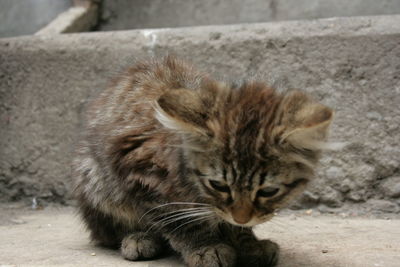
<point>242,212</point>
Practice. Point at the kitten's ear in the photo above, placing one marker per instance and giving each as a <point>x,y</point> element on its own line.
<point>182,110</point>
<point>306,121</point>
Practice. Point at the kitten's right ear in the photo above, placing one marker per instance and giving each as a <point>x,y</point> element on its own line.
<point>306,122</point>
<point>182,110</point>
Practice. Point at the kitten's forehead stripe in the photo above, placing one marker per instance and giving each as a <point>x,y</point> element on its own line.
<point>224,174</point>
<point>241,175</point>
<point>249,117</point>
<point>234,174</point>
<point>252,174</point>
<point>260,141</point>
<point>262,178</point>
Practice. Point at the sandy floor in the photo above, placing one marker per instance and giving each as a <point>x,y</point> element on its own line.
<point>55,237</point>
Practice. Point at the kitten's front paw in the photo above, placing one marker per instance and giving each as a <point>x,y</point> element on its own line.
<point>138,246</point>
<point>263,253</point>
<point>219,255</point>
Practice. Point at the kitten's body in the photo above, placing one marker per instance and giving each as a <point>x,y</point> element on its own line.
<point>156,139</point>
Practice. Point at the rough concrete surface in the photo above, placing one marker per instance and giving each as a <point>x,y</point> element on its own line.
<point>139,14</point>
<point>55,237</point>
<point>350,64</point>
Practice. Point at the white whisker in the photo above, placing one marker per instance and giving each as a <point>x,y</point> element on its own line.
<point>174,218</point>
<point>191,221</point>
<point>172,203</point>
<point>179,212</point>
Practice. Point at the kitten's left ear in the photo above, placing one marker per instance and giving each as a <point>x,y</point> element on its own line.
<point>306,121</point>
<point>182,110</point>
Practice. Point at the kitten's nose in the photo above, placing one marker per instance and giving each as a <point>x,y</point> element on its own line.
<point>242,212</point>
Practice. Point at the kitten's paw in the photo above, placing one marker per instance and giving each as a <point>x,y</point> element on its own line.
<point>263,253</point>
<point>139,246</point>
<point>219,255</point>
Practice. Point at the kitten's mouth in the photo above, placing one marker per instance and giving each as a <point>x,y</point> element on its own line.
<point>230,219</point>
<point>253,221</point>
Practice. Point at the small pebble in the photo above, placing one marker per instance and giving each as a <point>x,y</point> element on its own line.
<point>93,254</point>
<point>17,221</point>
<point>324,251</point>
<point>309,212</point>
<point>215,35</point>
<point>34,205</point>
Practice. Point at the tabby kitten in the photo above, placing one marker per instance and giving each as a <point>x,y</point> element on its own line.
<point>171,158</point>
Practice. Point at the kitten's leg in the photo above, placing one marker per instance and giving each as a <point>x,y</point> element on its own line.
<point>108,232</point>
<point>104,230</point>
<point>203,248</point>
<point>141,245</point>
<point>251,251</point>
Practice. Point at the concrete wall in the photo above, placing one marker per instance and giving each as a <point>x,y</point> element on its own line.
<point>351,64</point>
<point>137,14</point>
<point>23,17</point>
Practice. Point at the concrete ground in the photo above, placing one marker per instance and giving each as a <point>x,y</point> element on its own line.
<point>55,237</point>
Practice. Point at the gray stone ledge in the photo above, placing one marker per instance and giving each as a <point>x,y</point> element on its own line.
<point>351,64</point>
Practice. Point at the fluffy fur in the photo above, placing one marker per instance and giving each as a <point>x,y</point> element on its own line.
<point>172,158</point>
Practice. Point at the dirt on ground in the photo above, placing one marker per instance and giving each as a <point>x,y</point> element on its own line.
<point>55,237</point>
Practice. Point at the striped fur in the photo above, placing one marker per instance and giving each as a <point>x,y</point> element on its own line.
<point>170,156</point>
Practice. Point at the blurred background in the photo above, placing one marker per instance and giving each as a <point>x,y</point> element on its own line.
<point>24,17</point>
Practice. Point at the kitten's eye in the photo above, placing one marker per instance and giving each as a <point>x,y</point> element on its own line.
<point>219,186</point>
<point>296,183</point>
<point>268,192</point>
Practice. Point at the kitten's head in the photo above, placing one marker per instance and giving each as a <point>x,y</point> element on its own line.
<point>250,150</point>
